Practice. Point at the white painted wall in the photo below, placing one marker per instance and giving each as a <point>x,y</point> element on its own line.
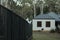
<point>34,24</point>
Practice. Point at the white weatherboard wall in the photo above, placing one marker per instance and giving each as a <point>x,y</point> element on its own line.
<point>52,25</point>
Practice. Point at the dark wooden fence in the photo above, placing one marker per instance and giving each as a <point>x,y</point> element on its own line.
<point>13,27</point>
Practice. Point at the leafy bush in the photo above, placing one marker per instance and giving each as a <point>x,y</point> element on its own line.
<point>57,30</point>
<point>52,31</point>
<point>39,30</point>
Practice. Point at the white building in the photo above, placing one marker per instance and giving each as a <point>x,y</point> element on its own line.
<point>46,22</point>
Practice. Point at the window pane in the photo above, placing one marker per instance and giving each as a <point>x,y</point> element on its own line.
<point>39,24</point>
<point>47,24</point>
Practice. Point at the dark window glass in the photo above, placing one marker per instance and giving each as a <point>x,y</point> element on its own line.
<point>47,24</point>
<point>39,24</point>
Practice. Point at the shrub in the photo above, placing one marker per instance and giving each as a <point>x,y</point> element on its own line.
<point>57,30</point>
<point>39,30</point>
<point>52,31</point>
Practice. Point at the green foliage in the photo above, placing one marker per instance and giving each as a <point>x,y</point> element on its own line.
<point>52,31</point>
<point>27,1</point>
<point>24,11</point>
<point>27,11</point>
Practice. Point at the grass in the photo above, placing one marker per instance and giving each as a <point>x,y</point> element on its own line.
<point>45,36</point>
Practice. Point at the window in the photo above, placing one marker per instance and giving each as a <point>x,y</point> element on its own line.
<point>39,24</point>
<point>47,24</point>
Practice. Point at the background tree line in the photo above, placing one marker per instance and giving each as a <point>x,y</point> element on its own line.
<point>25,8</point>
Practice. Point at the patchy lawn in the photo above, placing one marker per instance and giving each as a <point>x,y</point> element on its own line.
<point>45,36</point>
